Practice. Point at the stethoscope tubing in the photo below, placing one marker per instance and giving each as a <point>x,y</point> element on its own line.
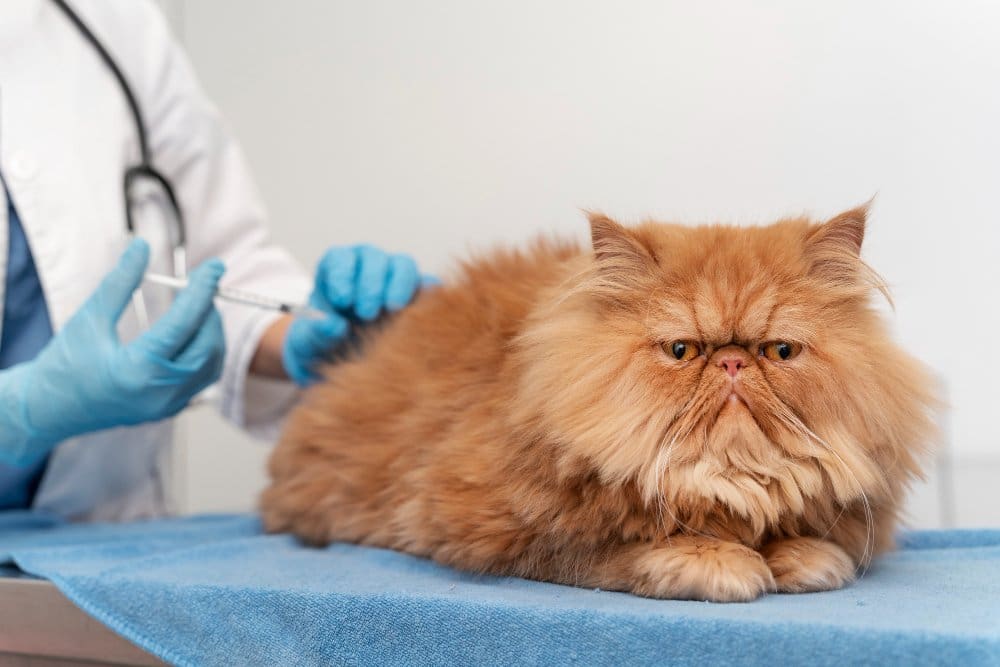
<point>145,168</point>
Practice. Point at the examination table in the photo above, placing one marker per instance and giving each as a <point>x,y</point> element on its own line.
<point>214,590</point>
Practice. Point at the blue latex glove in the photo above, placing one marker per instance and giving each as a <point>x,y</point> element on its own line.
<point>85,379</point>
<point>353,284</point>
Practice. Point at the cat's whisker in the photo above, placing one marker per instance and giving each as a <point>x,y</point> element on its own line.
<point>687,528</point>
<point>663,462</point>
<point>664,504</point>
<point>664,453</point>
<point>687,419</point>
<point>794,422</point>
<point>868,551</point>
<point>660,468</point>
<point>833,524</point>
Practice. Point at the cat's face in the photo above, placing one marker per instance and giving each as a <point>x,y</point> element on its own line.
<point>734,368</point>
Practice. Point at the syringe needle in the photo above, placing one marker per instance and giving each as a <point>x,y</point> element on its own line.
<point>241,297</point>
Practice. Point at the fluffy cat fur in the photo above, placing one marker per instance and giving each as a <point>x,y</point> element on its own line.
<point>530,417</point>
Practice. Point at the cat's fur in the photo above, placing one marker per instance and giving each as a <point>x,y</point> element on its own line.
<point>527,419</point>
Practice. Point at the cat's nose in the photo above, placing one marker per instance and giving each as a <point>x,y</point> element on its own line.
<point>731,363</point>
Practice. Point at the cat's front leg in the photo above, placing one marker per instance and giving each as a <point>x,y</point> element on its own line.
<point>807,564</point>
<point>688,567</point>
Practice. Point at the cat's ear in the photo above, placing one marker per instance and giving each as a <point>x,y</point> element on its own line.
<point>617,248</point>
<point>834,248</point>
<point>844,232</point>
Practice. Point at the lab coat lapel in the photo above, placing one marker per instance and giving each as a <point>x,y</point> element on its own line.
<point>62,163</point>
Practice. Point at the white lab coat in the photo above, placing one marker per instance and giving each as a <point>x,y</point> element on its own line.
<point>66,137</point>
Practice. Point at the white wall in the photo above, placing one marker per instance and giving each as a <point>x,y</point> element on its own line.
<point>431,127</point>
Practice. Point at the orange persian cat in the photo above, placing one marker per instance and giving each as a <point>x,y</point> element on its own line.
<point>706,413</point>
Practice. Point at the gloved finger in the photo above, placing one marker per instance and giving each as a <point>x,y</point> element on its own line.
<point>428,281</point>
<point>307,343</point>
<point>205,357</point>
<point>402,282</point>
<point>335,275</point>
<point>371,283</point>
<point>207,374</point>
<point>171,333</point>
<point>115,291</point>
<point>207,348</point>
<point>196,367</point>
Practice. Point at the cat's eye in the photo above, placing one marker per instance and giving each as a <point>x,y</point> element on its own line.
<point>682,350</point>
<point>780,350</point>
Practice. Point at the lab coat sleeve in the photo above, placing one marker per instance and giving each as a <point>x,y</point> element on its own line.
<point>225,218</point>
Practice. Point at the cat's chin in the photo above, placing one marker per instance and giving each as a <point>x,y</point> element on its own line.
<point>734,470</point>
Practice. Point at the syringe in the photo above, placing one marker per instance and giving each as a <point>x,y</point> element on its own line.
<point>241,297</point>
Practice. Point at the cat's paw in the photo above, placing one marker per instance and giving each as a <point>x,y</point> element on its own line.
<point>807,564</point>
<point>699,568</point>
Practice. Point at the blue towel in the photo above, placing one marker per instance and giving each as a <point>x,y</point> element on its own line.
<point>213,590</point>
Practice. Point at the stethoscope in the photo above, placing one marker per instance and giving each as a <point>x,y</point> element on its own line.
<point>144,171</point>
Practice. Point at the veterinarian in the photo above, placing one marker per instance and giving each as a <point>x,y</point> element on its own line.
<point>91,373</point>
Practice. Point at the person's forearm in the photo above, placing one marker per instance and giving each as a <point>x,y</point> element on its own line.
<point>266,360</point>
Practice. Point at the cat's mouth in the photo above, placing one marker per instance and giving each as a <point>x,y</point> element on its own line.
<point>737,408</point>
<point>735,403</point>
<point>733,396</point>
<point>732,405</point>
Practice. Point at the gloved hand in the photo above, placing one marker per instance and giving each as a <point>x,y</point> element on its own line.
<point>85,379</point>
<point>353,284</point>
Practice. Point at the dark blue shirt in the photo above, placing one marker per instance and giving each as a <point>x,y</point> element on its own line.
<point>26,330</point>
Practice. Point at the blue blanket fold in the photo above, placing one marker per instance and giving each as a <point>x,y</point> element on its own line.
<point>214,590</point>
